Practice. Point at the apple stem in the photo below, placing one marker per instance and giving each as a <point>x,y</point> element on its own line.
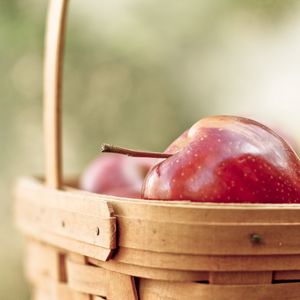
<point>134,153</point>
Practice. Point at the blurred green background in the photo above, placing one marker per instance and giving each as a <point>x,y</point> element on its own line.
<point>137,73</point>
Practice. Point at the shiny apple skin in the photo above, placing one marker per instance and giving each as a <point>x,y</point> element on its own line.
<point>227,159</point>
<point>116,175</point>
<point>290,139</point>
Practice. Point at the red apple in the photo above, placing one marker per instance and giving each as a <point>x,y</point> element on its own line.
<point>116,175</point>
<point>227,159</point>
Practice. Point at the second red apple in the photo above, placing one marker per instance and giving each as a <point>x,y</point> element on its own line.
<point>116,175</point>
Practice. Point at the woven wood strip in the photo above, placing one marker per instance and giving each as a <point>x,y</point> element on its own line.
<point>40,294</point>
<point>43,260</point>
<point>151,273</point>
<point>191,212</point>
<point>240,278</point>
<point>58,293</point>
<point>207,262</point>
<point>68,245</point>
<point>88,229</point>
<point>81,260</point>
<point>81,296</point>
<point>204,239</point>
<point>286,275</point>
<point>86,203</point>
<point>121,286</point>
<point>98,281</point>
<point>45,288</point>
<point>71,223</point>
<point>154,290</point>
<point>87,279</point>
<point>57,212</point>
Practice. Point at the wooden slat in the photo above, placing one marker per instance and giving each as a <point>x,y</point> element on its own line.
<point>81,296</point>
<point>78,294</point>
<point>44,260</point>
<point>87,203</point>
<point>154,290</point>
<point>286,275</point>
<point>191,212</point>
<point>45,288</point>
<point>67,244</point>
<point>240,278</point>
<point>40,260</point>
<point>204,239</point>
<point>151,273</point>
<point>40,294</point>
<point>68,224</point>
<point>121,286</point>
<point>61,213</point>
<point>87,279</point>
<point>207,262</point>
<point>63,292</point>
<point>74,223</point>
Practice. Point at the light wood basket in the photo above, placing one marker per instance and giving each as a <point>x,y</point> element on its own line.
<point>87,246</point>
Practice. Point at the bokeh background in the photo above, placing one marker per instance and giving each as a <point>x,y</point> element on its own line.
<point>137,73</point>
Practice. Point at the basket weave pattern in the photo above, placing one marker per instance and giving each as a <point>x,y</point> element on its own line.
<point>83,245</point>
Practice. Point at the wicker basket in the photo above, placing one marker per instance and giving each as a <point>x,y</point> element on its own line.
<point>87,246</point>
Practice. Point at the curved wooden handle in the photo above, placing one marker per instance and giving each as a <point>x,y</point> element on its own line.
<point>53,64</point>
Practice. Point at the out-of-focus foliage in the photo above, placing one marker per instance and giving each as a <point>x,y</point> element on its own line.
<point>137,73</point>
<point>21,34</point>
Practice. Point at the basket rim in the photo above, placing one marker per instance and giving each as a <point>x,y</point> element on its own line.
<point>162,230</point>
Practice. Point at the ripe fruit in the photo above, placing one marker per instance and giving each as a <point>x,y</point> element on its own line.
<point>227,159</point>
<point>116,175</point>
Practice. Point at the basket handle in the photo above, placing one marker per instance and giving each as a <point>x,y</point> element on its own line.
<point>53,65</point>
